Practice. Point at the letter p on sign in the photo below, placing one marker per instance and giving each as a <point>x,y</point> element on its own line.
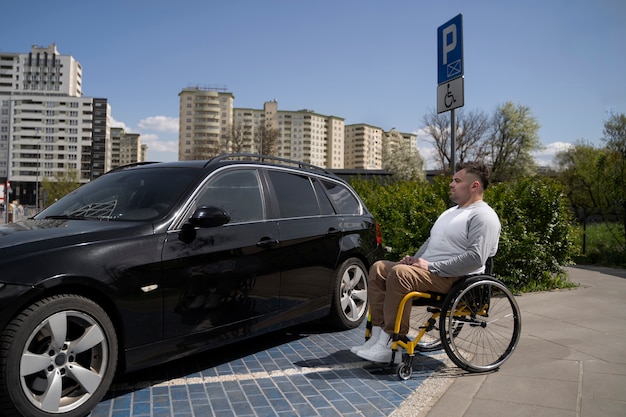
<point>450,50</point>
<point>449,41</point>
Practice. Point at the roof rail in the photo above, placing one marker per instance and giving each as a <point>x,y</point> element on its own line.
<point>134,164</point>
<point>268,158</point>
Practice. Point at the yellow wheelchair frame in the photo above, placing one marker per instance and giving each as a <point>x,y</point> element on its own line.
<point>478,324</point>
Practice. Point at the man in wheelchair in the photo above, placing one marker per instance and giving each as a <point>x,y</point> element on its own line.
<point>460,242</point>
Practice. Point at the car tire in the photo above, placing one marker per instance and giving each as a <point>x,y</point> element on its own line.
<point>57,357</point>
<point>349,302</point>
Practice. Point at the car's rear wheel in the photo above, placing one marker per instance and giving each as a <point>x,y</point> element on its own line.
<point>349,304</point>
<point>57,358</point>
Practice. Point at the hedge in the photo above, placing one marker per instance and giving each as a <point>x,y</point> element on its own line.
<point>537,240</point>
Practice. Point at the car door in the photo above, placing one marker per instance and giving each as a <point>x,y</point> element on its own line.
<point>309,241</point>
<point>223,278</point>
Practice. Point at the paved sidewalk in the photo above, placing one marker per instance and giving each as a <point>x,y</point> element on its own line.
<point>570,361</point>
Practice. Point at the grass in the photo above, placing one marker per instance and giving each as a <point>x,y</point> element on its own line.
<point>605,245</point>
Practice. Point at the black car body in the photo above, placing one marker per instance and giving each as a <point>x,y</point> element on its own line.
<point>153,262</point>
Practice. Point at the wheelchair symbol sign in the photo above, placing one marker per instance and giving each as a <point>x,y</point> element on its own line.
<point>450,95</point>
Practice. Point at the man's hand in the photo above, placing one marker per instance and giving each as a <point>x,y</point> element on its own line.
<point>422,263</point>
<point>418,262</point>
<point>408,260</point>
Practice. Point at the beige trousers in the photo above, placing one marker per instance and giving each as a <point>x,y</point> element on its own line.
<point>390,281</point>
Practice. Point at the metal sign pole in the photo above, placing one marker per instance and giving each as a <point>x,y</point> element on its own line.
<point>450,80</point>
<point>452,143</point>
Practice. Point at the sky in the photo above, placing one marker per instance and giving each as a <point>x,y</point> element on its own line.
<point>366,61</point>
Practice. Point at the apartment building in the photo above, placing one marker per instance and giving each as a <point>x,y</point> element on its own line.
<point>393,139</point>
<point>47,127</point>
<point>126,148</point>
<point>301,135</point>
<point>363,146</point>
<point>311,137</point>
<point>205,119</point>
<point>210,125</point>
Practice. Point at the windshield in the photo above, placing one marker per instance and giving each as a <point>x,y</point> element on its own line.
<point>133,195</point>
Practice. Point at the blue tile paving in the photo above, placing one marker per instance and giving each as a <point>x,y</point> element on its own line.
<point>303,372</point>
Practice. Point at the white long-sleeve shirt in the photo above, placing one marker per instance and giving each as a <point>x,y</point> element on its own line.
<point>461,240</point>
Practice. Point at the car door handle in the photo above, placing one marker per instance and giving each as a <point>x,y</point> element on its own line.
<point>267,242</point>
<point>332,232</point>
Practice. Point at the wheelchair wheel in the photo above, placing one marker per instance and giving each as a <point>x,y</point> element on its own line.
<point>404,371</point>
<point>482,324</point>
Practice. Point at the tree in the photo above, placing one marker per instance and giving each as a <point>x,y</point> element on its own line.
<point>514,136</point>
<point>579,168</point>
<point>615,139</point>
<point>470,139</point>
<point>266,139</point>
<point>236,136</point>
<point>61,184</point>
<point>401,159</point>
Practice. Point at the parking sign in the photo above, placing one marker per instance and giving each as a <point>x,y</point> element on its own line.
<point>450,50</point>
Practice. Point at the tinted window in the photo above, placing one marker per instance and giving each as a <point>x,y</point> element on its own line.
<point>238,192</point>
<point>325,205</point>
<point>134,194</point>
<point>344,200</point>
<point>296,197</point>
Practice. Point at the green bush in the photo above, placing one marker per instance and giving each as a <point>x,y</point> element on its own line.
<point>405,211</point>
<point>537,238</point>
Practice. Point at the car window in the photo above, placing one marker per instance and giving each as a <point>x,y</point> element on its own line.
<point>326,206</point>
<point>134,195</point>
<point>345,202</point>
<point>238,192</point>
<point>295,194</point>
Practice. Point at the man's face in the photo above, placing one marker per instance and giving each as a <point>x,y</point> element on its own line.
<point>461,186</point>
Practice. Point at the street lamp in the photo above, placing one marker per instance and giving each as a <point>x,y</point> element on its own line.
<point>7,184</point>
<point>37,182</point>
<point>37,177</point>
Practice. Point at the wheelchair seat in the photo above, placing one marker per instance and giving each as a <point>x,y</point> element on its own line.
<point>436,298</point>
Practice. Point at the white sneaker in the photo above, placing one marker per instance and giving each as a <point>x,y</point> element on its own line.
<point>381,352</point>
<point>375,335</point>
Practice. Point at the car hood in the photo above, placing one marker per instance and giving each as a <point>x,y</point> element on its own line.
<point>29,236</point>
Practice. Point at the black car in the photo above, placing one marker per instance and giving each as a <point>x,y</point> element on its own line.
<point>152,262</point>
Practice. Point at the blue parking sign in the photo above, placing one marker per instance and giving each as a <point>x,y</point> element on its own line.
<point>450,50</point>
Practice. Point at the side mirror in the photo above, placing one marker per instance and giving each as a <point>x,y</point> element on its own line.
<point>209,216</point>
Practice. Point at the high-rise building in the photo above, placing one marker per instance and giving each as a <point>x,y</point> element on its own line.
<point>302,135</point>
<point>210,125</point>
<point>126,148</point>
<point>363,146</point>
<point>47,127</point>
<point>205,116</point>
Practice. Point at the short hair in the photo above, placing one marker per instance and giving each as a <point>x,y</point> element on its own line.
<point>479,169</point>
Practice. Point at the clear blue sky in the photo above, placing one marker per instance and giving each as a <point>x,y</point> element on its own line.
<point>367,61</point>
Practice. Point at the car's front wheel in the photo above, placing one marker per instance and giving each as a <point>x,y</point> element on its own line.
<point>349,304</point>
<point>57,358</point>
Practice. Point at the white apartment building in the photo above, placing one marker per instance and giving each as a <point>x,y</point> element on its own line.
<point>209,125</point>
<point>46,126</point>
<point>311,137</point>
<point>363,146</point>
<point>126,148</point>
<point>301,135</point>
<point>205,117</point>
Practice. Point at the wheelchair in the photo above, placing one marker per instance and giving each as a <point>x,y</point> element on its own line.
<point>478,324</point>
